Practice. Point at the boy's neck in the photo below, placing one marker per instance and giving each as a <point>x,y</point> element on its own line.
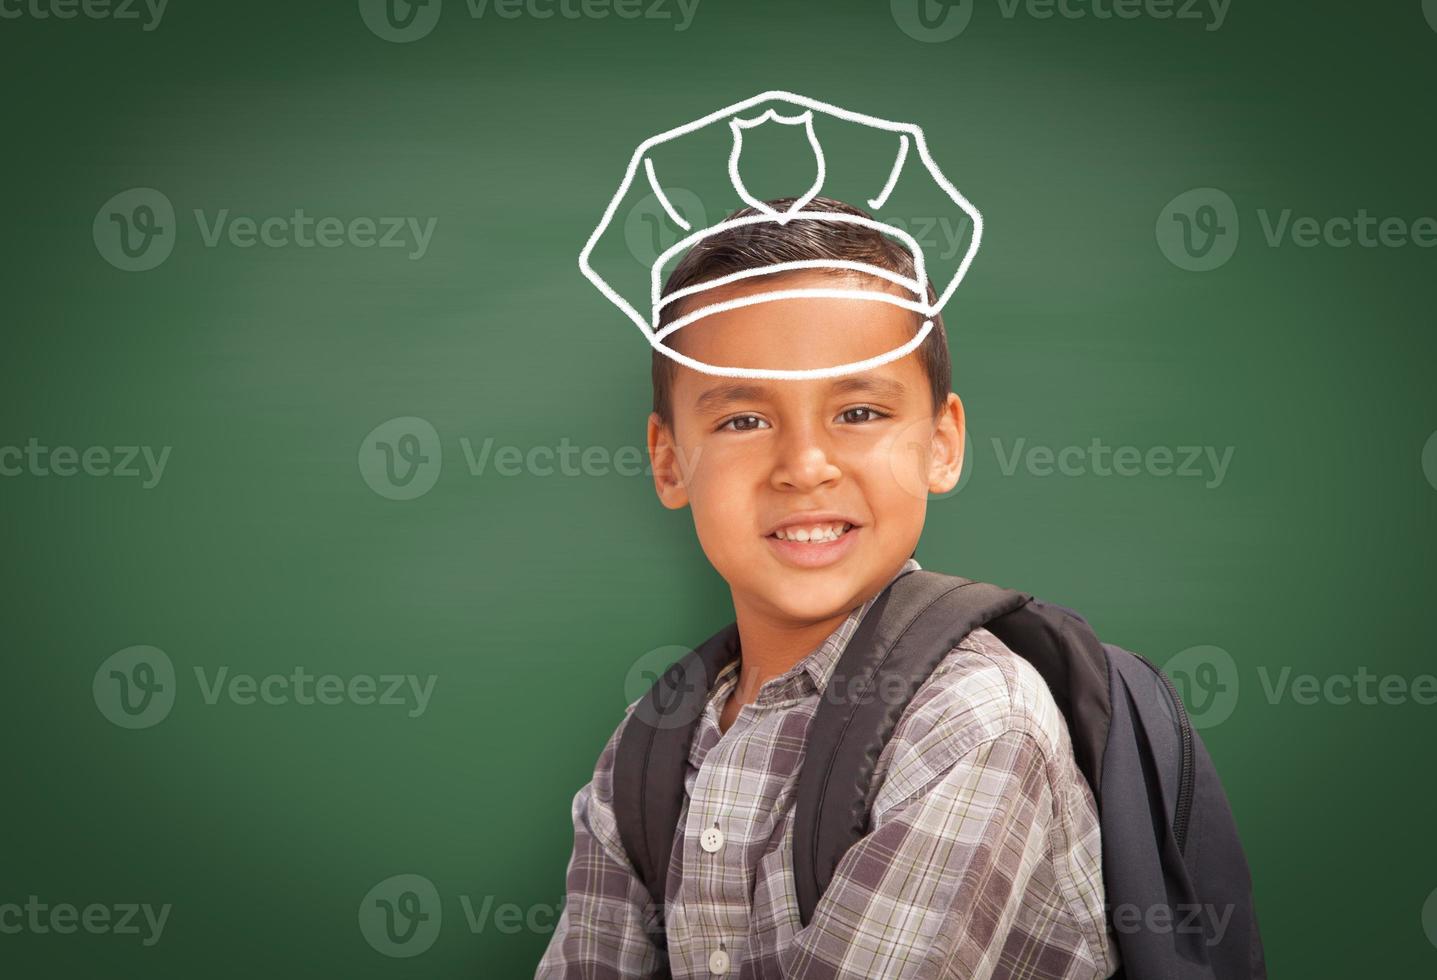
<point>769,649</point>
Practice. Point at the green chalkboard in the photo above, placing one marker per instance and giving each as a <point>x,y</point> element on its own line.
<point>330,554</point>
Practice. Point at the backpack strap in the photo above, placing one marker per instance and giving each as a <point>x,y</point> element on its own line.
<point>905,636</point>
<point>653,751</point>
<point>907,632</point>
<point>1074,663</point>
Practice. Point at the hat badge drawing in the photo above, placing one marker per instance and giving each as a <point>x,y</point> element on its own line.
<point>644,303</point>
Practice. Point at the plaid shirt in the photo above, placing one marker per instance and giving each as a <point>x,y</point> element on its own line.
<point>983,859</point>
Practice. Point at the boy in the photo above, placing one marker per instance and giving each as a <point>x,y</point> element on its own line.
<point>808,497</point>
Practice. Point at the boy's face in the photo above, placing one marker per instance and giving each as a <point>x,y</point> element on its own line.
<point>748,456</point>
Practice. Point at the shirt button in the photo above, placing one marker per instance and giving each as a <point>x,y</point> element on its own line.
<point>711,840</point>
<point>718,961</point>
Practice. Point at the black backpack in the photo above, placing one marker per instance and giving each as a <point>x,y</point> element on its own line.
<point>1173,865</point>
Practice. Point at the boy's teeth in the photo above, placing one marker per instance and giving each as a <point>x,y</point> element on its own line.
<point>819,533</point>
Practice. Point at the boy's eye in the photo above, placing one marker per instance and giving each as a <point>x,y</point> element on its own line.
<point>853,416</point>
<point>734,424</point>
<point>870,415</point>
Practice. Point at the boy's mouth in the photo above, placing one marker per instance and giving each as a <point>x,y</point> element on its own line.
<point>813,545</point>
<point>813,533</point>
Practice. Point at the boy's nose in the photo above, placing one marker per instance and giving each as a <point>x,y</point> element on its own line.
<point>804,462</point>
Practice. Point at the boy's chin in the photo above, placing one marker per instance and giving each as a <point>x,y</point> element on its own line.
<point>811,596</point>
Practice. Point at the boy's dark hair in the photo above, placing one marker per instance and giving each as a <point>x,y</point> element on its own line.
<point>766,243</point>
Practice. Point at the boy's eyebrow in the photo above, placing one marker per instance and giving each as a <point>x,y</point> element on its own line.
<point>725,394</point>
<point>720,395</point>
<point>873,384</point>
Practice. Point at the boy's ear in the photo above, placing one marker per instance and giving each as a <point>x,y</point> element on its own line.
<point>665,457</point>
<point>946,461</point>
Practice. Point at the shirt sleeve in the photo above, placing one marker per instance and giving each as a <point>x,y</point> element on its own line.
<point>952,882</point>
<point>608,926</point>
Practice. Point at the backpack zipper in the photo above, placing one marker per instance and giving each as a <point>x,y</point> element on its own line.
<point>1185,781</point>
